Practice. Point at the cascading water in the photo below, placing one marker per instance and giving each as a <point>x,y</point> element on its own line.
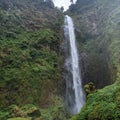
<point>75,97</point>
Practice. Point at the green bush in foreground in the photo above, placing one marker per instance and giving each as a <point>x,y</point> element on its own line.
<point>103,104</point>
<point>19,118</point>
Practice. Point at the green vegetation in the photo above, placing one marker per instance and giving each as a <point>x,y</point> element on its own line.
<point>30,69</point>
<point>18,118</point>
<point>103,104</point>
<point>30,111</point>
<point>28,64</point>
<point>30,79</point>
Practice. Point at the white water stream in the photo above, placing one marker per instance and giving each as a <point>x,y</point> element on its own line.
<point>75,97</point>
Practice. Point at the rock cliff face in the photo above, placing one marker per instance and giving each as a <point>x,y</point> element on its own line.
<point>96,23</point>
<point>98,31</point>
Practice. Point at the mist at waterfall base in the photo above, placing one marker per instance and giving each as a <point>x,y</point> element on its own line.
<point>75,97</point>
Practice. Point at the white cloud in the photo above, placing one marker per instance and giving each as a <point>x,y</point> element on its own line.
<point>64,3</point>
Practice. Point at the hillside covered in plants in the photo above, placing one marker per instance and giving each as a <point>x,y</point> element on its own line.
<point>97,24</point>
<point>30,71</point>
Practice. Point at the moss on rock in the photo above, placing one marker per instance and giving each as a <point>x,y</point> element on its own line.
<point>89,88</point>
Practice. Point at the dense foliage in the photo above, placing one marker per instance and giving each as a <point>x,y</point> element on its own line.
<point>103,104</point>
<point>30,79</point>
<point>29,61</point>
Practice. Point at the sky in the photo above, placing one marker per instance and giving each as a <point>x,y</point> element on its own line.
<point>64,3</point>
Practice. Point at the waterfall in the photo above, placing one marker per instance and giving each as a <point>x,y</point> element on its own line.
<point>75,97</point>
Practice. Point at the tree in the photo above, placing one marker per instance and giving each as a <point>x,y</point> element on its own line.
<point>62,8</point>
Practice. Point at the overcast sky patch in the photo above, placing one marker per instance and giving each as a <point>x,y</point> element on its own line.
<point>64,3</point>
